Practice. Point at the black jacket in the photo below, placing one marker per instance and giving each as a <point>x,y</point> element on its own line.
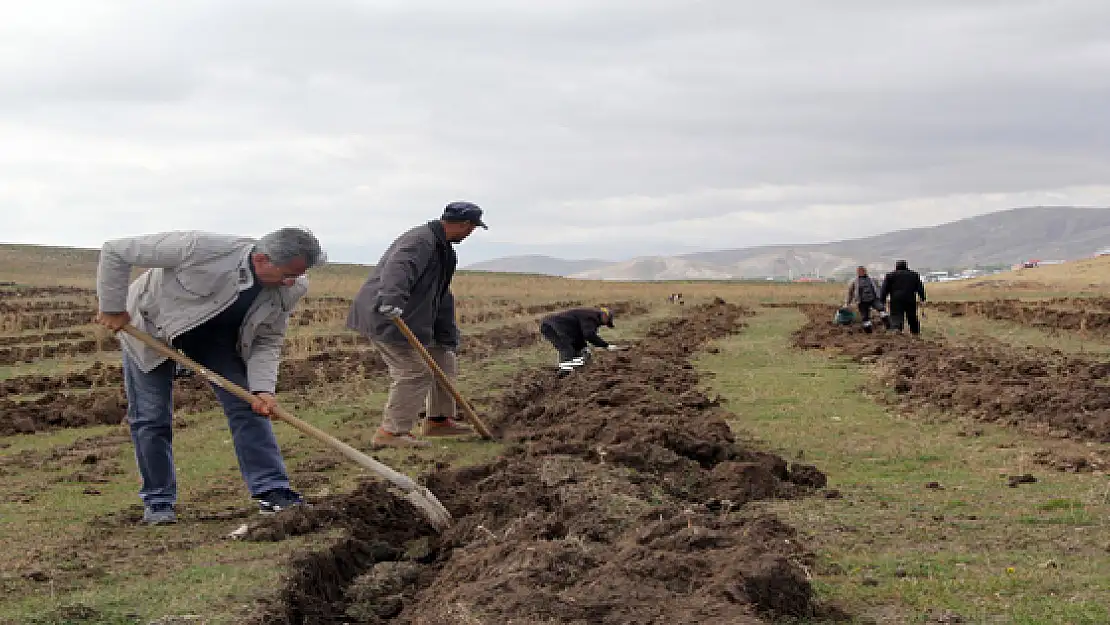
<point>579,325</point>
<point>414,274</point>
<point>902,284</point>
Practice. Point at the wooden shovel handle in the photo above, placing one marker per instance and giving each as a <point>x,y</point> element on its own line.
<point>443,379</point>
<point>401,480</point>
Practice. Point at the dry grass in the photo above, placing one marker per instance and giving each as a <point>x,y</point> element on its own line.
<point>48,266</point>
<point>1082,277</point>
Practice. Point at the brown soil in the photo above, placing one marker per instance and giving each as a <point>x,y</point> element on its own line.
<point>55,410</point>
<point>485,344</point>
<point>340,358</point>
<point>1048,393</point>
<point>1063,314</point>
<point>337,300</point>
<point>92,461</point>
<point>89,451</point>
<point>314,314</point>
<point>513,309</point>
<point>54,320</point>
<point>619,500</point>
<point>42,351</point>
<point>96,375</point>
<point>60,335</point>
<point>37,291</point>
<point>39,305</point>
<point>329,308</point>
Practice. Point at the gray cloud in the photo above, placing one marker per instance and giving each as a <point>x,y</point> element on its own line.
<point>602,129</point>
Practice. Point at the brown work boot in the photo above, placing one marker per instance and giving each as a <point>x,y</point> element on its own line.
<point>382,438</point>
<point>446,427</point>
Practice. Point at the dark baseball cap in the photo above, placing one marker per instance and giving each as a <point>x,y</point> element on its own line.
<point>464,211</point>
<point>606,310</point>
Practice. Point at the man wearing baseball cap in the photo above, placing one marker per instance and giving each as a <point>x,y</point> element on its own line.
<point>571,330</point>
<point>412,280</point>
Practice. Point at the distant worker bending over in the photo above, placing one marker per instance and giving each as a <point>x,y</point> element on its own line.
<point>903,286</point>
<point>570,331</point>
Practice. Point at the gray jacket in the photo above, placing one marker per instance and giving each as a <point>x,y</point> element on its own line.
<point>193,276</point>
<point>414,274</point>
<point>853,290</point>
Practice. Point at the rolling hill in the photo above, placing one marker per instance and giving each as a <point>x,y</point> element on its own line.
<point>538,263</point>
<point>1000,238</point>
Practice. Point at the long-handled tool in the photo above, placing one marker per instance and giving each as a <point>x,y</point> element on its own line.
<point>416,494</point>
<point>442,377</point>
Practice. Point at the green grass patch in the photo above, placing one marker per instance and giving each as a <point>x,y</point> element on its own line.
<point>891,548</point>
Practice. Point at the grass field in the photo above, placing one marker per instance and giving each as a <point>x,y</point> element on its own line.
<point>962,474</point>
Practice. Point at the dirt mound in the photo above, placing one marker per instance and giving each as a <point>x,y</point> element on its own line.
<point>1088,315</point>
<point>96,375</point>
<point>41,351</point>
<point>55,410</point>
<point>628,308</point>
<point>587,543</point>
<point>377,526</point>
<point>31,339</point>
<point>1046,393</point>
<point>619,500</point>
<point>328,367</point>
<point>507,309</point>
<point>328,313</point>
<point>38,305</point>
<point>552,306</point>
<point>483,345</point>
<point>643,409</point>
<point>10,290</point>
<point>52,320</point>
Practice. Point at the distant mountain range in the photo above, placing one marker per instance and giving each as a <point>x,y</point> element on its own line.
<point>1000,238</point>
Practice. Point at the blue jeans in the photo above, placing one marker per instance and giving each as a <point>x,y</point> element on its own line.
<point>150,415</point>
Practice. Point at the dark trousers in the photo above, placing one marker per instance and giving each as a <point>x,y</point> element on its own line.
<point>904,308</point>
<point>567,346</point>
<point>150,415</point>
<point>865,309</point>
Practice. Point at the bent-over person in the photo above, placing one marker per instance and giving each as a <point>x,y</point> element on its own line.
<point>572,331</point>
<point>224,301</point>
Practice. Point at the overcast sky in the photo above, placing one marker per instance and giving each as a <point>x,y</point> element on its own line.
<point>583,129</point>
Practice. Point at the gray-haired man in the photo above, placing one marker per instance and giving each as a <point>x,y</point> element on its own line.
<point>413,281</point>
<point>225,301</point>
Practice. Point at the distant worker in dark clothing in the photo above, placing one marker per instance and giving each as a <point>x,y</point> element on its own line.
<point>570,331</point>
<point>865,292</point>
<point>904,287</point>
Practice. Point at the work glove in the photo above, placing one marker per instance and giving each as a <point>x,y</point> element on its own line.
<point>391,312</point>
